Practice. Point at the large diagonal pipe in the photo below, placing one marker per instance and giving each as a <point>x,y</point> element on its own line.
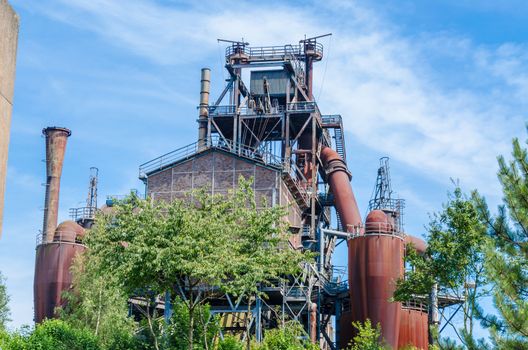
<point>339,179</point>
<point>56,139</point>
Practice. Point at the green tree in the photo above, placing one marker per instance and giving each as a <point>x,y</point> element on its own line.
<point>4,303</point>
<point>230,343</point>
<point>289,337</point>
<point>203,246</point>
<point>59,335</point>
<point>454,260</point>
<point>12,341</point>
<point>261,249</point>
<point>367,338</point>
<point>97,303</point>
<point>507,257</point>
<point>205,334</point>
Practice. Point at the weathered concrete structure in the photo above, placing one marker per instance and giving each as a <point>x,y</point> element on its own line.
<point>8,48</point>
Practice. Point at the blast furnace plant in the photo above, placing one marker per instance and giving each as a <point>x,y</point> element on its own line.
<point>270,128</point>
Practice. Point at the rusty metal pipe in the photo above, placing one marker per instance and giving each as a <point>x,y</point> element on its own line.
<point>418,243</point>
<point>339,179</point>
<point>56,139</point>
<point>205,87</point>
<point>313,323</point>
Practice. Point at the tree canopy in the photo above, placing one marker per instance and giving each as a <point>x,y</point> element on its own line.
<point>506,260</point>
<point>192,249</point>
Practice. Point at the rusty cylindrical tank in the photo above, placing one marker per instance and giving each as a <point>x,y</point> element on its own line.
<point>414,319</point>
<point>52,268</point>
<point>56,139</point>
<point>414,327</point>
<point>375,263</point>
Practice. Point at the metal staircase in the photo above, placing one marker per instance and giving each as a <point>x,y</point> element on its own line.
<point>335,122</point>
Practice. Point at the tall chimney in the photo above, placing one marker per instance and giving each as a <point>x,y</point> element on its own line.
<point>204,110</point>
<point>56,139</point>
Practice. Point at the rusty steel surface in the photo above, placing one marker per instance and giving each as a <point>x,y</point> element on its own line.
<point>313,323</point>
<point>375,262</point>
<point>418,243</point>
<point>68,231</point>
<point>52,276</point>
<point>56,139</point>
<point>346,334</point>
<point>304,156</point>
<point>413,329</point>
<point>339,180</point>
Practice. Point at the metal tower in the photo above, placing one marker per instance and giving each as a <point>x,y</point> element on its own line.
<point>85,216</point>
<point>91,200</point>
<point>383,196</point>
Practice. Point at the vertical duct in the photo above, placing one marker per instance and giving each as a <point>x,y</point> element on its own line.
<point>204,107</point>
<point>56,139</point>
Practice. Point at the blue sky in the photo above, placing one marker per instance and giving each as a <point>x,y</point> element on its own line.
<point>441,87</point>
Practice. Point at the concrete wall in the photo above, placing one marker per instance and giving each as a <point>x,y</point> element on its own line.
<point>8,48</point>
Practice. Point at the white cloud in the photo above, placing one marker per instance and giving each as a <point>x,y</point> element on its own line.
<point>383,84</point>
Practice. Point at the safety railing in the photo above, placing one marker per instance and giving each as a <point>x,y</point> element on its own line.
<point>230,110</point>
<point>82,213</point>
<point>384,228</point>
<point>274,52</point>
<point>166,159</point>
<point>63,236</point>
<point>331,120</point>
<point>215,141</point>
<point>301,107</point>
<point>416,304</point>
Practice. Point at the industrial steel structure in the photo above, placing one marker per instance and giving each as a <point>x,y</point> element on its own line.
<point>57,245</point>
<point>273,131</point>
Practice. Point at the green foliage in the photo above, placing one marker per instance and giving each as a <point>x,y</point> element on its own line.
<point>4,301</point>
<point>454,255</point>
<point>204,334</point>
<point>367,338</point>
<point>59,335</point>
<point>151,247</point>
<point>230,343</point>
<point>290,337</point>
<point>12,341</point>
<point>507,257</point>
<point>97,303</point>
<point>454,259</point>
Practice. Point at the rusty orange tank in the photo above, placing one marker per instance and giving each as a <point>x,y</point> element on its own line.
<point>52,269</point>
<point>413,328</point>
<point>375,264</point>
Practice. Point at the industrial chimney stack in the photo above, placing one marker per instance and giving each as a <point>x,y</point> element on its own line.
<point>56,139</point>
<point>205,87</point>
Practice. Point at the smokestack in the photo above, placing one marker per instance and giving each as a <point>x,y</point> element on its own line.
<point>56,139</point>
<point>204,107</point>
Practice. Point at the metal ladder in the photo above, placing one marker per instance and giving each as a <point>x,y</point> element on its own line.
<point>340,143</point>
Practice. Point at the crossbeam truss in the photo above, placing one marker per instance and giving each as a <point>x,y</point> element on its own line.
<point>260,122</point>
<point>286,131</point>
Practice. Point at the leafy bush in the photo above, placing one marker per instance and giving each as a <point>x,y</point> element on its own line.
<point>230,343</point>
<point>59,335</point>
<point>291,337</point>
<point>368,338</point>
